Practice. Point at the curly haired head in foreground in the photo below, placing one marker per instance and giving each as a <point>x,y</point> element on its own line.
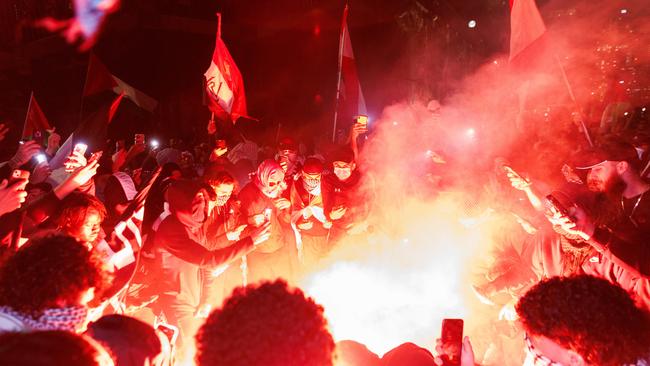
<point>588,315</point>
<point>49,271</point>
<point>268,324</point>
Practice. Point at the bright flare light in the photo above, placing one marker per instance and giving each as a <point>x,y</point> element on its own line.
<point>623,11</point>
<point>470,132</point>
<point>384,291</point>
<point>472,23</point>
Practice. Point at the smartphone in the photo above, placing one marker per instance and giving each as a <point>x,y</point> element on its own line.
<point>554,204</point>
<point>139,138</point>
<point>154,144</point>
<point>170,331</point>
<point>41,158</point>
<point>362,120</point>
<point>19,177</point>
<point>509,170</point>
<point>451,336</point>
<point>267,214</point>
<point>80,148</point>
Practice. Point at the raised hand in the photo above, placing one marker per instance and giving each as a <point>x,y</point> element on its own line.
<point>11,196</point>
<point>25,152</point>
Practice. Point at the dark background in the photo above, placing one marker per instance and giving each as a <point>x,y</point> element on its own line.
<point>286,50</point>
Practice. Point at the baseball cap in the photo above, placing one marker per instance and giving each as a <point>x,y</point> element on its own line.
<point>611,151</point>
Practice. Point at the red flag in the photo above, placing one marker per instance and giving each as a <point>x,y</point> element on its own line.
<point>224,84</point>
<point>527,31</point>
<point>36,125</point>
<point>351,102</point>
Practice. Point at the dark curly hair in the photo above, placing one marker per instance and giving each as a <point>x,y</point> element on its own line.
<point>47,270</point>
<point>75,207</point>
<point>268,324</point>
<point>589,315</point>
<point>47,348</point>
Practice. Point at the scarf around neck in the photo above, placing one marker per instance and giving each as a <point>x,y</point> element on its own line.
<point>69,318</point>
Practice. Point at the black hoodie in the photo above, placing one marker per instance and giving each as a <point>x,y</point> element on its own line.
<point>180,241</point>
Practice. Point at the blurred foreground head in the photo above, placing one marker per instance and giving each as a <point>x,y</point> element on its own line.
<point>583,320</point>
<point>268,324</point>
<point>51,348</point>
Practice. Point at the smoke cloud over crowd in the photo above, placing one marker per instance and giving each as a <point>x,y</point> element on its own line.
<point>417,266</point>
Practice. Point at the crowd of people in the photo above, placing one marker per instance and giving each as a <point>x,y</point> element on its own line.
<point>227,228</point>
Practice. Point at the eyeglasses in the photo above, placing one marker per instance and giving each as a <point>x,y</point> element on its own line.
<point>538,359</point>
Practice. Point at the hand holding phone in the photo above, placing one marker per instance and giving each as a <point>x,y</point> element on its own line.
<point>516,180</point>
<point>170,332</point>
<point>451,338</point>
<point>139,139</point>
<point>556,207</point>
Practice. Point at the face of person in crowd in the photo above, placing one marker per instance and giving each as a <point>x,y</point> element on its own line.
<point>273,186</point>
<point>542,351</point>
<point>223,191</point>
<point>311,181</point>
<point>343,170</point>
<point>176,175</point>
<point>287,158</point>
<point>603,177</point>
<point>89,230</point>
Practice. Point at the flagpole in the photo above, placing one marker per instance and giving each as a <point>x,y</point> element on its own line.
<point>340,67</point>
<point>218,25</point>
<point>29,108</point>
<point>575,102</point>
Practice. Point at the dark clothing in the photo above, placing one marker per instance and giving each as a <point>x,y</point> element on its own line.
<point>181,253</point>
<point>38,211</point>
<point>633,223</point>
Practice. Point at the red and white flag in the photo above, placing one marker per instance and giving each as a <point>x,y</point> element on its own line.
<point>351,102</point>
<point>224,83</point>
<point>527,31</point>
<point>36,125</point>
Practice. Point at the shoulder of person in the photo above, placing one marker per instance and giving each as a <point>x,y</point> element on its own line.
<point>10,323</point>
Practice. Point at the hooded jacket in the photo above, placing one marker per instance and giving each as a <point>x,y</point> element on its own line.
<point>181,243</point>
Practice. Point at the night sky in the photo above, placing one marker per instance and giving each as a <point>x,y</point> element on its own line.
<point>286,49</point>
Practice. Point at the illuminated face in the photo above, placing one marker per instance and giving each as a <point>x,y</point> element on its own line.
<point>602,177</point>
<point>541,351</point>
<point>89,230</point>
<point>311,181</point>
<point>223,191</point>
<point>273,186</point>
<point>343,170</point>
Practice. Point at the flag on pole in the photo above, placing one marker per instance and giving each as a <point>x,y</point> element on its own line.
<point>126,238</point>
<point>36,125</point>
<point>527,31</point>
<point>224,84</point>
<point>350,101</point>
<point>92,132</point>
<point>99,79</point>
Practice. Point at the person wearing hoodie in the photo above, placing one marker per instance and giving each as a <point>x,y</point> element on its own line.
<point>261,202</point>
<point>180,248</point>
<point>341,197</point>
<point>311,226</point>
